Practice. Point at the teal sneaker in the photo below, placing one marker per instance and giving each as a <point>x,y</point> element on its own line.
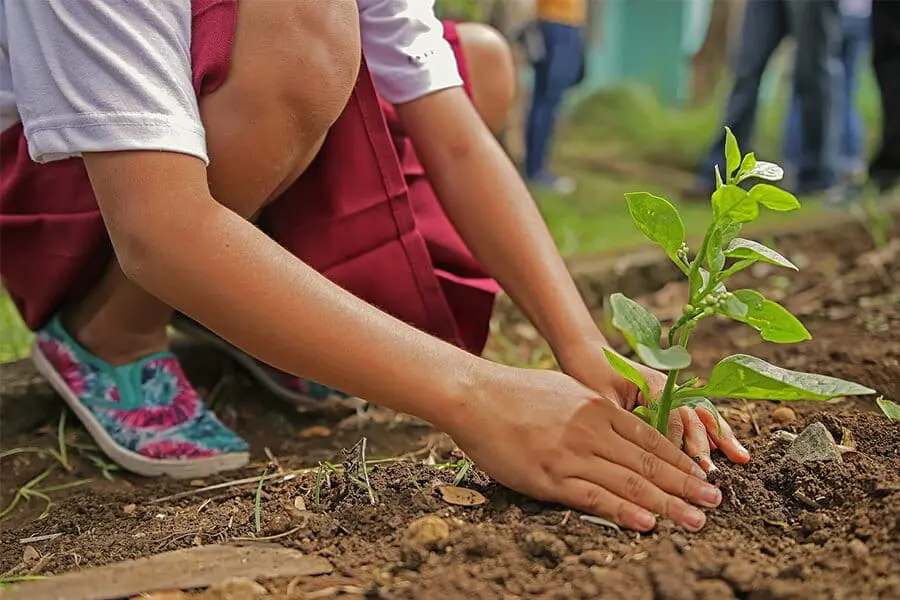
<point>146,416</point>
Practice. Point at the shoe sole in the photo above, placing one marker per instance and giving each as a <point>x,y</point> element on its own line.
<point>127,459</point>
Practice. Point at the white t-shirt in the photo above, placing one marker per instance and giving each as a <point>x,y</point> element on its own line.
<point>108,75</point>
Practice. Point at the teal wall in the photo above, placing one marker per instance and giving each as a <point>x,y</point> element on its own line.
<point>649,42</point>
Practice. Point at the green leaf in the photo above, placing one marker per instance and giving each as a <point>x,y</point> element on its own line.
<point>637,324</point>
<point>773,321</point>
<point>644,413</point>
<point>764,170</point>
<point>701,402</point>
<point>733,204</point>
<point>733,307</point>
<point>741,248</point>
<point>674,357</point>
<point>774,198</point>
<point>729,231</point>
<point>732,155</point>
<point>746,165</point>
<point>624,368</point>
<point>658,220</point>
<point>719,182</point>
<point>890,409</point>
<point>751,378</point>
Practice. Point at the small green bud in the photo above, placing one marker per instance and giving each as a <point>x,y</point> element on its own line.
<point>708,311</point>
<point>688,310</point>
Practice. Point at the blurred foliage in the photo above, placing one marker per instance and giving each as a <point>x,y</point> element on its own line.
<point>463,10</point>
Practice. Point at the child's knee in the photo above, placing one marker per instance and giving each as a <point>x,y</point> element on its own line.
<point>492,72</point>
<point>294,65</point>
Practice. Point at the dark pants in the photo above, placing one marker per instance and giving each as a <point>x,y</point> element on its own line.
<point>816,26</point>
<point>885,168</point>
<point>856,35</point>
<point>553,76</point>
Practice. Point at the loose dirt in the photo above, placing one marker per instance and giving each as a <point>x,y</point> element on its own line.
<point>823,530</point>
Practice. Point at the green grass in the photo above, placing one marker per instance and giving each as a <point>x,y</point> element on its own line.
<point>14,336</point>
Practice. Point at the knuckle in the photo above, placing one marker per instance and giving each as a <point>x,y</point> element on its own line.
<point>650,466</point>
<point>652,439</point>
<point>594,499</point>
<point>635,487</point>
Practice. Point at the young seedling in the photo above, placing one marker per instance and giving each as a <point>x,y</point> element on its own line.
<point>722,254</point>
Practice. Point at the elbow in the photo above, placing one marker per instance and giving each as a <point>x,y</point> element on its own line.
<point>133,250</point>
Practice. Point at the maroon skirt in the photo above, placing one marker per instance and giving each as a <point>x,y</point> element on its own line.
<point>363,214</point>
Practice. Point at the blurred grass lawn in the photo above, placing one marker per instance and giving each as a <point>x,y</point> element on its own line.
<point>617,142</point>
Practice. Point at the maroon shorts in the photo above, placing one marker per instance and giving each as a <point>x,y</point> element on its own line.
<point>363,214</point>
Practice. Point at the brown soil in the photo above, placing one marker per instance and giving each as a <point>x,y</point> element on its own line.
<point>820,530</point>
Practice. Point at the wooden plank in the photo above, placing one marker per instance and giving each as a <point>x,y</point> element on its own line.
<point>198,567</point>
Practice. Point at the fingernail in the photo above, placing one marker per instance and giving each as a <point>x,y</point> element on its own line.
<point>743,451</point>
<point>694,519</point>
<point>711,496</point>
<point>645,521</point>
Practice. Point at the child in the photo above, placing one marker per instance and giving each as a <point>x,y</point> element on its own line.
<point>157,130</point>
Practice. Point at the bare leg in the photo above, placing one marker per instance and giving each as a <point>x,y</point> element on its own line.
<point>492,73</point>
<point>294,64</point>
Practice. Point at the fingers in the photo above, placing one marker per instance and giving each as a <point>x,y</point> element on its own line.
<point>666,478</point>
<point>631,486</point>
<point>726,441</point>
<point>696,444</point>
<point>675,433</point>
<point>639,433</point>
<point>590,498</point>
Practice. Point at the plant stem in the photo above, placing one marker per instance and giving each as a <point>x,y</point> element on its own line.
<point>695,265</point>
<point>665,399</point>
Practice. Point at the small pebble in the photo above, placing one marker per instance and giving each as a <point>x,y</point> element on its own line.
<point>129,509</point>
<point>784,414</point>
<point>542,544</point>
<point>429,532</point>
<point>858,549</point>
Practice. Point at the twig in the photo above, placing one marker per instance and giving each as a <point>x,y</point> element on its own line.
<point>753,421</point>
<point>269,537</point>
<point>39,538</point>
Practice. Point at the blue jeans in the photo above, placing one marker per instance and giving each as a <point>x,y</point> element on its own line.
<point>553,76</point>
<point>816,26</point>
<point>852,132</point>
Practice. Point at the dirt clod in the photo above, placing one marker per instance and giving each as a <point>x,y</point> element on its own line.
<point>858,549</point>
<point>542,544</point>
<point>783,415</point>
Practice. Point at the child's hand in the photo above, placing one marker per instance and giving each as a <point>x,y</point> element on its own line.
<point>546,435</point>
<point>695,430</point>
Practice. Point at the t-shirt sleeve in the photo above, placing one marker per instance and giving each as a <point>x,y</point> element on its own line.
<point>405,49</point>
<point>103,75</point>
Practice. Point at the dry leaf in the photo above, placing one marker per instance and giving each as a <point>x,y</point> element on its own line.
<point>300,503</point>
<point>459,496</point>
<point>315,431</point>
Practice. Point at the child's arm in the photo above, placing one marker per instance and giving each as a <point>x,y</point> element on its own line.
<point>490,206</point>
<point>561,442</point>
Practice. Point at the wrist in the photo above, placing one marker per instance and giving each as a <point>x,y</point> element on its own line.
<point>570,352</point>
<point>462,392</point>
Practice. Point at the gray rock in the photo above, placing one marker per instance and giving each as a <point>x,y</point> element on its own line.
<point>814,444</point>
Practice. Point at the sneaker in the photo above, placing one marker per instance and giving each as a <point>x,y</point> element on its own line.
<point>563,186</point>
<point>299,392</point>
<point>146,416</point>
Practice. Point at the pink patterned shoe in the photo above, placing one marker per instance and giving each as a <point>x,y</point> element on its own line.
<point>145,416</point>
